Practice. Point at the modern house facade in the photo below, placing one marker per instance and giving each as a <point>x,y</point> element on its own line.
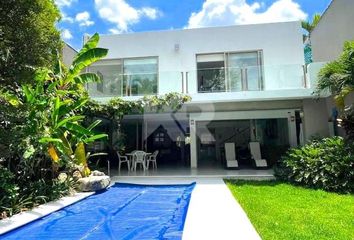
<point>248,83</point>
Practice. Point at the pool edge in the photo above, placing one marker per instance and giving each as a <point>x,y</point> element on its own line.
<point>21,219</point>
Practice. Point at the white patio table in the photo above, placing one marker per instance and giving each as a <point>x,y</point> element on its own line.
<point>131,158</point>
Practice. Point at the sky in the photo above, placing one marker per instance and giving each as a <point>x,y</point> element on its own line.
<point>81,17</point>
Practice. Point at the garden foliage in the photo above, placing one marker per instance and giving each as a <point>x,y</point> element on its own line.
<point>326,164</point>
<point>28,39</point>
<point>50,136</point>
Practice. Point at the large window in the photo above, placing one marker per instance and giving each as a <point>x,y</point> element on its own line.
<point>126,77</point>
<point>140,76</point>
<point>229,72</point>
<point>211,73</point>
<point>110,71</point>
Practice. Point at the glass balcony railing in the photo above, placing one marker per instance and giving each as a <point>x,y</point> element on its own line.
<point>312,71</point>
<point>139,84</point>
<point>257,78</point>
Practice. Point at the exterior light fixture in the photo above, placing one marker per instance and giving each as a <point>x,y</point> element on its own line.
<point>176,47</point>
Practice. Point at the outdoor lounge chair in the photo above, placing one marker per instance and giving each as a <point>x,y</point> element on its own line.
<point>256,154</point>
<point>152,158</point>
<point>230,155</point>
<point>123,159</point>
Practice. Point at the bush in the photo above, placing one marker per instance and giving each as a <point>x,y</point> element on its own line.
<point>15,199</point>
<point>327,164</point>
<point>9,191</point>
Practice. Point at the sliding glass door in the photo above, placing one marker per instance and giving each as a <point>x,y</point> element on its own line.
<point>125,77</point>
<point>211,73</point>
<point>229,72</point>
<point>244,71</point>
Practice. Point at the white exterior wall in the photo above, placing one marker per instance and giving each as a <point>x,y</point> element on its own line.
<point>315,118</point>
<point>335,27</point>
<point>68,54</point>
<point>281,44</point>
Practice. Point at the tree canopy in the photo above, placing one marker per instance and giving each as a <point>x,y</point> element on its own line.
<point>28,39</point>
<point>309,26</point>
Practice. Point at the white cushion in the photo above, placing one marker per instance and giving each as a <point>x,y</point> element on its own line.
<point>261,163</point>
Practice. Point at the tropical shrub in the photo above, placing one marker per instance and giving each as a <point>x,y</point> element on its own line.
<point>8,190</point>
<point>327,164</point>
<point>337,77</point>
<point>18,194</point>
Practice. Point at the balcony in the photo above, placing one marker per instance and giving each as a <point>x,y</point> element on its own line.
<point>217,84</point>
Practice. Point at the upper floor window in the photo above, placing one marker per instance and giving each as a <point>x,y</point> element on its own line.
<point>110,71</point>
<point>125,77</point>
<point>140,76</point>
<point>229,72</point>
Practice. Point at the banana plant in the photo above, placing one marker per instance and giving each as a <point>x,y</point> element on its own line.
<point>54,105</point>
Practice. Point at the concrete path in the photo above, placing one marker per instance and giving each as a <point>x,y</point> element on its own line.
<point>213,212</point>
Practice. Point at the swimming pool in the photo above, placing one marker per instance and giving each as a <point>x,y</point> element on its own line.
<point>124,211</point>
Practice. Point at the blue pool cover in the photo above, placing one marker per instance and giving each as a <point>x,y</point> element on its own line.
<point>124,211</point>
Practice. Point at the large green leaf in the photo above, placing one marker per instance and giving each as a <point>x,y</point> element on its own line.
<point>85,60</point>
<point>50,140</point>
<point>58,68</point>
<point>94,124</point>
<point>90,44</point>
<point>67,108</point>
<point>78,129</point>
<point>55,112</point>
<point>29,93</point>
<point>69,119</point>
<point>95,137</point>
<point>66,144</point>
<point>87,78</point>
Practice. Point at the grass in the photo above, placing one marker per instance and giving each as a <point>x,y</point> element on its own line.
<point>282,211</point>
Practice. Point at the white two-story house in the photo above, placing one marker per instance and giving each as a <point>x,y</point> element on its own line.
<point>248,83</point>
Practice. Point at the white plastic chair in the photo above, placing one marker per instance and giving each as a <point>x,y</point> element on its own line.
<point>139,157</point>
<point>123,159</point>
<point>152,158</point>
<point>256,154</point>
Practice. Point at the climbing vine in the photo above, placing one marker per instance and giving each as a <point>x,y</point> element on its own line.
<point>117,108</point>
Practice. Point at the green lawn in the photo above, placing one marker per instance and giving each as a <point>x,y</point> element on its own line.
<point>282,211</point>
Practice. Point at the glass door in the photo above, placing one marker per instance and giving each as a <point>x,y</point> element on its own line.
<point>244,71</point>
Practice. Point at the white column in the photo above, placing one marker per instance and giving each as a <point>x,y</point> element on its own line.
<point>193,142</point>
<point>292,129</point>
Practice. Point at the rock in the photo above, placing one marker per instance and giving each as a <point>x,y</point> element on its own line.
<point>77,174</point>
<point>97,173</point>
<point>93,183</point>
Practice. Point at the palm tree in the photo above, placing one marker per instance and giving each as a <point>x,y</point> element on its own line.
<point>309,26</point>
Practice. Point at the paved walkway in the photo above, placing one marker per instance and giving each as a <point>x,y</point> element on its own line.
<point>213,212</point>
<point>178,172</point>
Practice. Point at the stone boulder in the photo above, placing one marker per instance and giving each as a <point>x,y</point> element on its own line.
<point>93,183</point>
<point>97,173</point>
